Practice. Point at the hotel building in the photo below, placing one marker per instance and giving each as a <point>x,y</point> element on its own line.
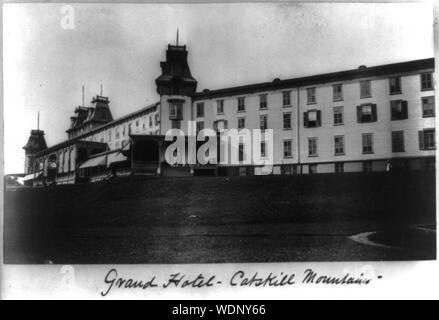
<point>367,119</point>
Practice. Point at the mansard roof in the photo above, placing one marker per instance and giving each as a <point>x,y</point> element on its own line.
<point>102,127</point>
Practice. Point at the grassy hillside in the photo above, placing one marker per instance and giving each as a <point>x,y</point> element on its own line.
<point>271,205</point>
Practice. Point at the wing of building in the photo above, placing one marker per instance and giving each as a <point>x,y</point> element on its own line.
<point>367,119</point>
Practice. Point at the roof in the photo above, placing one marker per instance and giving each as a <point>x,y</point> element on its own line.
<point>66,143</point>
<point>94,162</point>
<point>361,72</point>
<point>109,124</point>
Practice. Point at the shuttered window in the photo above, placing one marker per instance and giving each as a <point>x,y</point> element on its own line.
<point>398,110</point>
<point>312,118</point>
<point>367,113</point>
<point>428,107</point>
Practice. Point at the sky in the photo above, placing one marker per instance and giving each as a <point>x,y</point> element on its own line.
<point>120,46</point>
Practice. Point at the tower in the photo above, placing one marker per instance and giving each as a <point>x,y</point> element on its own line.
<point>175,86</point>
<point>35,144</point>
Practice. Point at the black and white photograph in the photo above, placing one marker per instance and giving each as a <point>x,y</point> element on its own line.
<point>218,134</point>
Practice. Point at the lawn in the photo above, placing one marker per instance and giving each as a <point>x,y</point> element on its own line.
<point>221,219</point>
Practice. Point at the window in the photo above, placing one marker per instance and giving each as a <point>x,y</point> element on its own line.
<point>312,119</point>
<point>241,104</point>
<point>117,134</point>
<point>365,91</point>
<point>426,81</point>
<point>124,131</point>
<point>339,145</point>
<point>367,166</point>
<point>312,147</point>
<point>263,149</point>
<point>287,149</point>
<point>286,98</point>
<point>287,121</point>
<point>367,140</point>
<point>397,141</point>
<point>338,115</point>
<point>337,92</point>
<point>311,95</point>
<point>200,126</point>
<point>220,125</point>
<point>339,167</point>
<point>241,123</point>
<point>395,85</point>
<point>156,118</point>
<point>366,113</point>
<point>312,168</point>
<point>150,121</point>
<point>241,152</point>
<point>263,122</point>
<point>175,110</point>
<point>137,123</point>
<point>427,139</point>
<point>428,107</point>
<point>262,101</point>
<point>220,106</point>
<point>130,128</point>
<point>175,124</point>
<point>200,110</point>
<point>398,109</point>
